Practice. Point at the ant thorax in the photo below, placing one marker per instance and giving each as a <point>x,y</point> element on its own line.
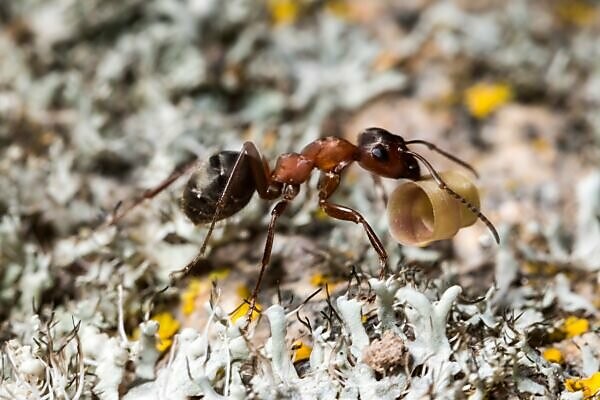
<point>329,154</point>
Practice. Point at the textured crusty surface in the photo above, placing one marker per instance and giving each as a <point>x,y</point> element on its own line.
<point>102,100</point>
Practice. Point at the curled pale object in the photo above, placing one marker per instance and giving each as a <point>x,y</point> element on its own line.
<point>420,212</point>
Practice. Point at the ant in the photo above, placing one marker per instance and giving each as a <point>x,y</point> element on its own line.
<point>227,182</point>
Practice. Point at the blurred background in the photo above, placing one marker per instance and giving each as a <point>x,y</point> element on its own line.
<point>102,99</point>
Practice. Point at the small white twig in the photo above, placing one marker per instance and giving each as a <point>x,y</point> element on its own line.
<point>351,314</point>
<point>121,321</point>
<point>228,367</point>
<point>80,384</point>
<point>169,364</point>
<point>280,359</point>
<point>208,324</point>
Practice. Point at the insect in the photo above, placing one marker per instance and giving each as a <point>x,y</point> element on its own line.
<point>227,182</point>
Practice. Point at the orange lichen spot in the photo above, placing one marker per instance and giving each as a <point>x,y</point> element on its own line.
<point>590,386</point>
<point>574,326</point>
<point>242,311</point>
<point>301,351</point>
<point>283,11</point>
<point>385,61</point>
<point>541,145</point>
<point>576,12</point>
<point>482,99</point>
<point>553,355</point>
<point>167,328</point>
<point>269,139</point>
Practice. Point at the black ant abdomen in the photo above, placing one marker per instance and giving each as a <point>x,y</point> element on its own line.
<point>203,189</point>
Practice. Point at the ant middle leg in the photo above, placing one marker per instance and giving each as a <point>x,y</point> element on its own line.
<point>344,213</point>
<point>327,185</point>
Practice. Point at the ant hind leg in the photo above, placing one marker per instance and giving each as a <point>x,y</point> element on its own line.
<point>327,185</point>
<point>122,209</point>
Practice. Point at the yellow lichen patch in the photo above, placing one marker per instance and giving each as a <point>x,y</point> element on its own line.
<point>197,288</point>
<point>321,215</point>
<point>574,326</point>
<point>218,274</point>
<point>339,8</point>
<point>540,268</point>
<point>482,99</point>
<point>283,11</point>
<point>576,12</point>
<point>243,310</point>
<point>553,355</point>
<point>301,351</point>
<point>189,296</point>
<point>320,279</point>
<point>590,386</point>
<point>167,328</point>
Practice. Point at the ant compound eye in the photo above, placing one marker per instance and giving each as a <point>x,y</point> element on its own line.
<point>379,153</point>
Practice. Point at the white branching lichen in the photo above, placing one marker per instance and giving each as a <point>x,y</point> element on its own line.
<point>101,100</point>
<point>350,309</point>
<point>587,239</point>
<point>428,321</point>
<point>145,350</point>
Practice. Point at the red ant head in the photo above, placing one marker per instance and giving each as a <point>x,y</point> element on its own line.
<point>384,154</point>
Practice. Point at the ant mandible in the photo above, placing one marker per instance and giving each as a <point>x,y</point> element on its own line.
<point>228,181</point>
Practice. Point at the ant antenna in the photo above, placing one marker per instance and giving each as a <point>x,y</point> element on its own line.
<point>449,156</point>
<point>457,196</point>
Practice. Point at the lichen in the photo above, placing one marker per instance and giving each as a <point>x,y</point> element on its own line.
<point>100,101</point>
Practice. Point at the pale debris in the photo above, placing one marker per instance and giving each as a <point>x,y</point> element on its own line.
<point>108,356</point>
<point>587,239</point>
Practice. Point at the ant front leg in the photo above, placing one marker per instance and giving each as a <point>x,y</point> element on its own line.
<point>328,184</point>
<point>290,192</point>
